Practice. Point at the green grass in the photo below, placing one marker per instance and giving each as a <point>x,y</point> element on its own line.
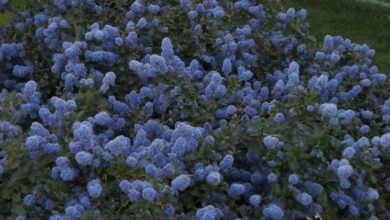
<point>358,21</point>
<point>4,16</point>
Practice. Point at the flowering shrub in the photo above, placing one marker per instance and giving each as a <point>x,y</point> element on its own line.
<point>187,110</point>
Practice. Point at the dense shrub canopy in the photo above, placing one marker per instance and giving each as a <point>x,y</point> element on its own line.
<point>187,110</point>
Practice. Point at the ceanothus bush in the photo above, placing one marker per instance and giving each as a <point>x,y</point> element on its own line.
<point>191,109</point>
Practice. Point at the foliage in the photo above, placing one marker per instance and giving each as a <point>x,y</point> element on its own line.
<point>187,110</point>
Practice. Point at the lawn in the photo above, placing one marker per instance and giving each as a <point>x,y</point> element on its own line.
<point>5,15</point>
<point>358,21</point>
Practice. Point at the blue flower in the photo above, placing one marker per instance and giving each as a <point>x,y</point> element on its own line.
<point>74,211</point>
<point>125,186</point>
<point>179,147</point>
<point>209,140</point>
<point>103,58</point>
<point>293,179</point>
<point>131,39</point>
<point>272,177</point>
<point>320,56</point>
<point>167,49</point>
<point>273,212</point>
<point>137,7</point>
<point>3,2</point>
<point>33,142</point>
<point>19,217</point>
<point>244,75</point>
<point>314,189</point>
<point>214,178</point>
<point>236,189</point>
<point>279,117</point>
<point>56,217</point>
<point>142,23</point>
<point>84,134</point>
<point>22,71</point>
<point>185,4</point>
<point>152,170</point>
<point>226,162</point>
<point>84,158</point>
<point>220,91</point>
<point>181,182</point>
<point>271,142</point>
<point>131,161</point>
<point>52,148</point>
<point>94,188</point>
<point>29,200</point>
<point>301,13</point>
<point>192,14</point>
<point>304,199</point>
<point>218,12</point>
<point>84,200</point>
<point>348,152</point>
<point>119,41</point>
<point>372,194</point>
<point>133,195</point>
<point>132,99</point>
<point>165,30</point>
<point>344,171</point>
<point>168,170</point>
<point>227,66</point>
<point>153,9</point>
<point>108,80</point>
<point>121,145</point>
<point>385,140</point>
<point>62,162</point>
<point>159,63</point>
<point>149,194</point>
<point>255,200</point>
<point>208,213</point>
<point>328,109</point>
<point>278,89</point>
<point>102,119</point>
<point>29,88</point>
<point>334,57</point>
<point>169,210</point>
<point>364,129</point>
<point>68,174</point>
<point>328,42</point>
<point>365,83</point>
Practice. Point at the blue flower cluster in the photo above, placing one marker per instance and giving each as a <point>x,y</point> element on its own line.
<point>191,109</point>
<point>54,33</point>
